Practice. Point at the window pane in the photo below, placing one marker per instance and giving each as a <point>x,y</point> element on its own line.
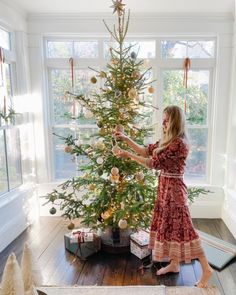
<point>86,49</point>
<point>143,49</point>
<point>58,49</point>
<point>60,83</point>
<point>5,39</point>
<point>3,169</point>
<point>64,163</point>
<point>173,49</point>
<point>196,164</point>
<point>174,93</point>
<point>14,157</point>
<point>201,49</point>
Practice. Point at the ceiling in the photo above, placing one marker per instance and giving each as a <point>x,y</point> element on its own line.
<point>103,6</point>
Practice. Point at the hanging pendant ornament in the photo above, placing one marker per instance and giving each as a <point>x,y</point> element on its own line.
<point>93,80</point>
<point>151,89</point>
<point>68,149</point>
<point>53,211</point>
<point>122,224</point>
<point>185,81</point>
<point>133,55</point>
<point>71,226</point>
<point>114,171</point>
<point>99,160</point>
<point>118,7</point>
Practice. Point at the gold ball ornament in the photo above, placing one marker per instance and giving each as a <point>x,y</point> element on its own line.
<point>122,224</point>
<point>68,149</point>
<point>151,89</point>
<point>71,226</point>
<point>92,187</point>
<point>107,214</point>
<point>93,80</point>
<point>114,171</point>
<point>114,178</point>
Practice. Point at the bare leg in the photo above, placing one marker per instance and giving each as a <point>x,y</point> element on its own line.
<point>172,267</point>
<point>206,272</point>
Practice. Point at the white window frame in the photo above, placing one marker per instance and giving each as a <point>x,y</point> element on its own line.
<point>158,65</point>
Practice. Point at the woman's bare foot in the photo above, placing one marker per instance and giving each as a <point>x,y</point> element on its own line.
<point>172,267</point>
<point>205,278</point>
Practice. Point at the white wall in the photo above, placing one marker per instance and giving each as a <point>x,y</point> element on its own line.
<point>229,209</point>
<point>16,211</point>
<point>214,25</point>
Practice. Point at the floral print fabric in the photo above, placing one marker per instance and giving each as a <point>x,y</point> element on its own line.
<point>172,235</point>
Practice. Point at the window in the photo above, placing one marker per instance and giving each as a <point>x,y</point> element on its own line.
<point>166,58</point>
<point>10,153</point>
<point>196,96</point>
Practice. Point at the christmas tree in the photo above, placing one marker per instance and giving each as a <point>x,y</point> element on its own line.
<point>111,191</point>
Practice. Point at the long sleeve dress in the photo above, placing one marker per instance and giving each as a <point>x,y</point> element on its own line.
<point>172,235</point>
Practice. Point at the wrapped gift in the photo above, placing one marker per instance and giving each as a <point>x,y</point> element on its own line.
<point>82,243</point>
<point>139,244</point>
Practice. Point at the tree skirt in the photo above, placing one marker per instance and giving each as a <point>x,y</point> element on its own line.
<point>128,290</point>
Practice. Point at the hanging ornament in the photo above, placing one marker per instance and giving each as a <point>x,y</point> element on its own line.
<point>136,74</point>
<point>122,224</point>
<point>71,226</point>
<point>93,80</point>
<point>114,178</point>
<point>99,160</point>
<point>116,150</point>
<point>133,93</point>
<point>114,171</point>
<point>107,214</point>
<point>68,149</point>
<point>151,89</point>
<point>92,187</point>
<point>185,81</point>
<point>53,211</point>
<point>139,176</point>
<point>133,55</point>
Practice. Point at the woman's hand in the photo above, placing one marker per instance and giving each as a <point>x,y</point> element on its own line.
<point>122,154</point>
<point>119,135</point>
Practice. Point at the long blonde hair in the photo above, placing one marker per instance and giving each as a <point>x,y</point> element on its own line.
<point>177,127</point>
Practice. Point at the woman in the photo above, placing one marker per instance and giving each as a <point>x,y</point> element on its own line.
<point>172,236</point>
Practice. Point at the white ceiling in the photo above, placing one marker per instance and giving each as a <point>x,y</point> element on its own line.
<point>103,6</point>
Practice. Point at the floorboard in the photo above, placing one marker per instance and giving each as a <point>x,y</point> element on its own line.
<point>60,268</point>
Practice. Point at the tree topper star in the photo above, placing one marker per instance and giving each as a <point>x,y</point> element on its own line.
<point>118,6</point>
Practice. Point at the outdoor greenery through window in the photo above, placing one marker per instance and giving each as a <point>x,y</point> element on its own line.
<point>166,58</point>
<point>10,154</point>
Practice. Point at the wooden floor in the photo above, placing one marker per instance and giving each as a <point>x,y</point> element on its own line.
<point>46,237</point>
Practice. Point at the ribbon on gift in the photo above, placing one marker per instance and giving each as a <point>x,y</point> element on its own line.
<point>83,237</point>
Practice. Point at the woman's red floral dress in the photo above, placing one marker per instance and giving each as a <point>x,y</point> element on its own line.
<point>172,235</point>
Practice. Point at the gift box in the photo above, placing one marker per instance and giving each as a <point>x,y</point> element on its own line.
<point>82,243</point>
<point>139,244</point>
